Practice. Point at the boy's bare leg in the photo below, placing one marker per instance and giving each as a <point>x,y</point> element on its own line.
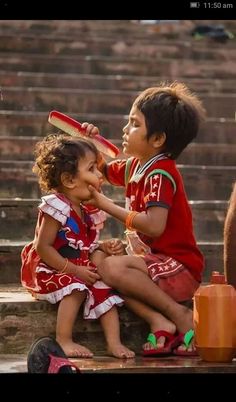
<point>111,327</point>
<point>155,320</point>
<point>98,256</point>
<point>67,313</point>
<point>129,276</point>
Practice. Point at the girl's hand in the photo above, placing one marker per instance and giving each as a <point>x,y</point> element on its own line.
<point>114,247</point>
<point>91,130</point>
<point>87,274</point>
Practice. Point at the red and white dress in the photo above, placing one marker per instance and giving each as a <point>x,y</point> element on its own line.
<point>75,240</point>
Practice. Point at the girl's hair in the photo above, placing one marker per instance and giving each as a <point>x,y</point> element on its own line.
<point>57,154</point>
<point>173,110</point>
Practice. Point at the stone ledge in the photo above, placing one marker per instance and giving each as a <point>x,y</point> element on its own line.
<point>139,365</point>
<point>24,319</point>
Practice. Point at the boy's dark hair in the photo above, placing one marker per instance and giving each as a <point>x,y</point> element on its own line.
<point>173,110</point>
<point>57,154</point>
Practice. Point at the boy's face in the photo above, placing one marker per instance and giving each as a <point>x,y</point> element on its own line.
<point>135,136</point>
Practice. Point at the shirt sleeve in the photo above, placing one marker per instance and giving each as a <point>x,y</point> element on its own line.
<point>115,172</point>
<point>158,191</point>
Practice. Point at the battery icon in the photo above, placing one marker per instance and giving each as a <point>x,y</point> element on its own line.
<point>194,4</point>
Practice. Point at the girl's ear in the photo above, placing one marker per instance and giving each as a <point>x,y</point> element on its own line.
<point>159,140</point>
<point>67,180</point>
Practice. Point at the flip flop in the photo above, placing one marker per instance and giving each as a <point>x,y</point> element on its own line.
<point>186,340</point>
<point>47,356</point>
<point>171,341</point>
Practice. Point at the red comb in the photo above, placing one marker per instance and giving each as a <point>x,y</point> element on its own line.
<point>73,127</point>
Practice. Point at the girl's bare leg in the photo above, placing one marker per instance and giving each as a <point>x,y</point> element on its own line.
<point>111,327</point>
<point>67,313</point>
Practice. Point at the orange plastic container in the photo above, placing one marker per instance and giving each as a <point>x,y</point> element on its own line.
<point>214,315</point>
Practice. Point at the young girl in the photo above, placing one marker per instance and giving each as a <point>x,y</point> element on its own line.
<point>161,248</point>
<point>60,264</point>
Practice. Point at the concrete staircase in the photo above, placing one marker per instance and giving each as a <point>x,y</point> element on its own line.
<point>93,70</point>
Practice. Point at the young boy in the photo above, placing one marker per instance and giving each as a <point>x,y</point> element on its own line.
<point>164,265</point>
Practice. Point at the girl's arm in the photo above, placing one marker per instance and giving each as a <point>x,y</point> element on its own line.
<point>44,244</point>
<point>44,247</point>
<point>230,240</point>
<point>142,222</point>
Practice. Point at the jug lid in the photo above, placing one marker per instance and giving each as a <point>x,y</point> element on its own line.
<point>217,278</point>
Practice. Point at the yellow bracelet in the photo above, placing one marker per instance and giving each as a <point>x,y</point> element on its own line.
<point>65,266</point>
<point>129,219</point>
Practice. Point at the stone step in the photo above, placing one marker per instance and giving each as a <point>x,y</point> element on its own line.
<point>97,27</point>
<point>115,45</point>
<point>23,319</point>
<point>172,29</point>
<point>10,259</point>
<point>26,123</point>
<point>115,82</point>
<point>18,219</point>
<point>201,182</point>
<point>21,148</point>
<point>134,66</point>
<point>17,363</point>
<point>98,101</point>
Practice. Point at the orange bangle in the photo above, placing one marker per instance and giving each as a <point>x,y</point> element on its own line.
<point>129,219</point>
<point>65,266</point>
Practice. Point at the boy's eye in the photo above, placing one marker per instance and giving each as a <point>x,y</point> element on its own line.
<point>134,123</point>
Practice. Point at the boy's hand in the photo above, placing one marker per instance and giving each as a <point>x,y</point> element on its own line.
<point>114,247</point>
<point>91,130</point>
<point>98,199</point>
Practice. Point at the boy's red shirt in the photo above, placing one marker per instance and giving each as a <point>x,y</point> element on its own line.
<point>163,189</point>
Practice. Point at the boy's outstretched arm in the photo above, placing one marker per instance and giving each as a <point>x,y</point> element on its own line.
<point>152,223</point>
<point>230,240</point>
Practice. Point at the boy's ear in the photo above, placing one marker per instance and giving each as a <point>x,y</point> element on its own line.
<point>159,140</point>
<point>67,180</point>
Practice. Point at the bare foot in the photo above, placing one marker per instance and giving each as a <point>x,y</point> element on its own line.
<point>188,344</point>
<point>120,351</point>
<point>184,325</point>
<point>164,325</point>
<point>73,349</point>
<point>184,319</point>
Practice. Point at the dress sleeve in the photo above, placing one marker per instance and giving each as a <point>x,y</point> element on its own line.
<point>98,216</point>
<point>55,207</point>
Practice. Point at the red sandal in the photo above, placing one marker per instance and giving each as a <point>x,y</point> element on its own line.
<point>171,341</point>
<point>186,340</point>
<point>47,356</point>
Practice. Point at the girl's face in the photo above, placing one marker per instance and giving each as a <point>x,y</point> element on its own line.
<point>135,142</point>
<point>88,174</point>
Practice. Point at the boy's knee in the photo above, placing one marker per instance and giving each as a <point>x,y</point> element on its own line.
<point>109,270</point>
